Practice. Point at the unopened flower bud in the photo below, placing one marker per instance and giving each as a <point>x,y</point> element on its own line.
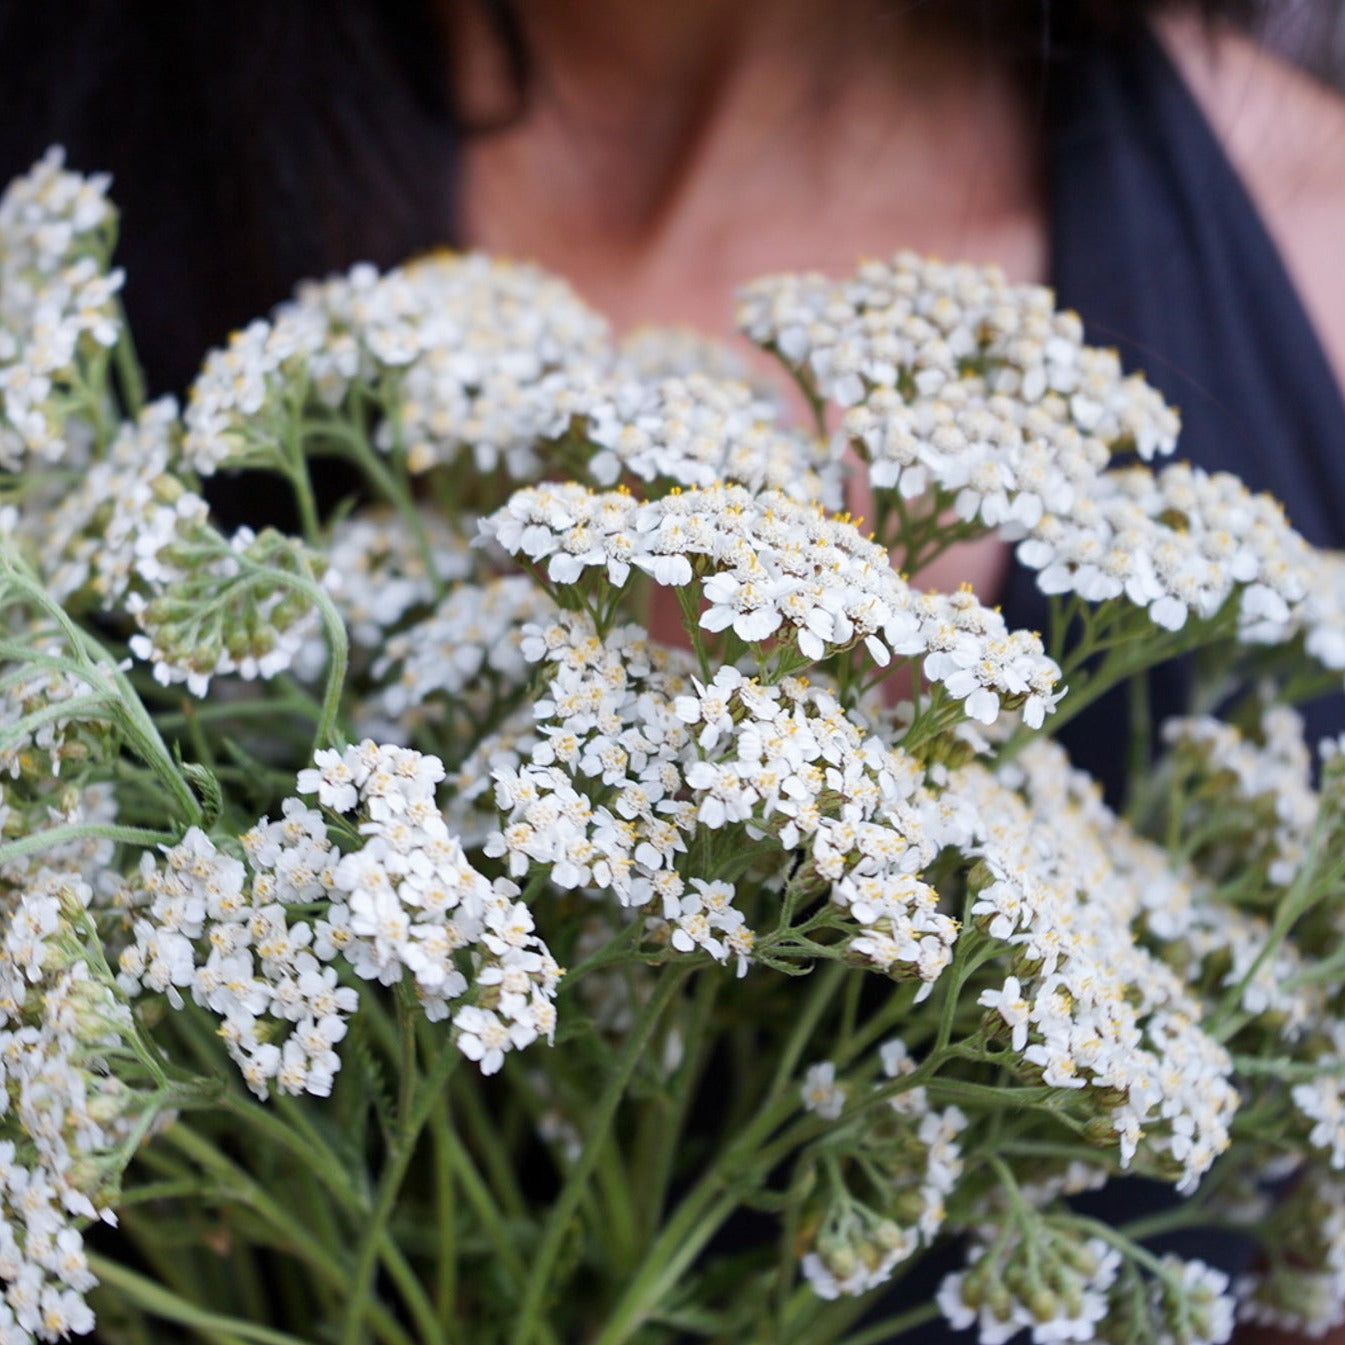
<point>999,1301</point>
<point>840,1259</point>
<point>908,1207</point>
<point>1043,1304</point>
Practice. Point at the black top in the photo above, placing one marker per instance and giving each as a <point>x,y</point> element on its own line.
<point>1156,243</point>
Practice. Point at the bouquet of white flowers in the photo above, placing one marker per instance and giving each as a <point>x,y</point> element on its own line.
<point>401,943</point>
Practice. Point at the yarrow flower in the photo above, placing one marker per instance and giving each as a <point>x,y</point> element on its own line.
<point>472,638</point>
<point>406,902</point>
<point>822,1095</point>
<point>70,1119</point>
<point>58,310</point>
<point>954,381</point>
<point>1301,1289</point>
<point>773,566</point>
<point>474,354</point>
<point>1088,1007</point>
<point>383,570</point>
<point>240,606</point>
<point>913,1157</point>
<point>693,430</point>
<point>1266,787</point>
<point>1004,1292</point>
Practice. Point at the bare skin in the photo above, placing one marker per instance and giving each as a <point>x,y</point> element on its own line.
<point>671,151</point>
<point>657,179</point>
<point>1285,134</point>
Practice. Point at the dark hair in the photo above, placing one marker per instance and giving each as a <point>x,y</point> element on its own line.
<point>251,142</point>
<point>255,142</point>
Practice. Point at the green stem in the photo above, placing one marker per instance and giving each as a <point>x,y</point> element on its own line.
<point>665,1116</point>
<point>527,1325</point>
<point>296,471</point>
<point>696,1221</point>
<point>1223,1024</point>
<point>338,644</point>
<point>828,981</point>
<point>79,831</point>
<point>77,707</point>
<point>228,711</point>
<point>305,1145</point>
<point>130,380</point>
<point>409,1126</point>
<point>484,1134</point>
<point>738,1165</point>
<point>432,1329</point>
<point>325,1166</point>
<point>478,1196</point>
<point>407,1069</point>
<point>446,1223</point>
<point>163,1303</point>
<point>356,448</point>
<point>894,1326</point>
<point>294,1236</point>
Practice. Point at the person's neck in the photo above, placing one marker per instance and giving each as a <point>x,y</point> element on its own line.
<point>664,153</point>
<point>641,96</point>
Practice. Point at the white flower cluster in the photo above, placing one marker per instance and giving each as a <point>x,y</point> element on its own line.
<point>957,382</point>
<point>956,337</point>
<point>136,539</point>
<point>1044,1277</point>
<point>381,573</point>
<point>67,1115</point>
<point>1266,787</point>
<point>1180,912</point>
<point>57,305</point>
<point>1302,1292</point>
<point>469,809</point>
<point>1041,1280</point>
<point>89,856</point>
<point>1322,1100</point>
<point>1321,614</point>
<point>409,902</point>
<point>1194,931</point>
<point>1086,1006</point>
<point>475,635</point>
<point>916,1149</point>
<point>606,724</point>
<point>107,530</point>
<point>474,353</point>
<point>1182,542</point>
<point>204,925</point>
<point>405,901</point>
<point>37,747</point>
<point>787,762</point>
<point>666,755</point>
<point>695,430</point>
<point>1192,1302</point>
<point>220,607</point>
<point>652,353</point>
<point>775,566</point>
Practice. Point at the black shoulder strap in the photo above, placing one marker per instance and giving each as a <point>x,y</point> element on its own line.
<point>1156,243</point>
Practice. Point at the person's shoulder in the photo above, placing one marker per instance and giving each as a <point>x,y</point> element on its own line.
<point>1284,133</point>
